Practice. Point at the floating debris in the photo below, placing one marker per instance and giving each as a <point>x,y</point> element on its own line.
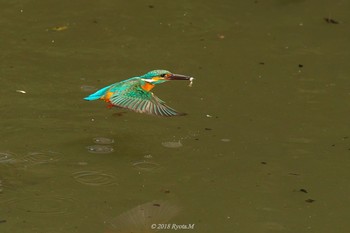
<point>330,20</point>
<point>59,28</point>
<point>103,141</point>
<point>100,149</point>
<point>309,200</point>
<point>191,82</point>
<point>294,174</point>
<point>21,91</point>
<point>172,144</point>
<point>221,36</point>
<point>166,191</point>
<point>303,190</point>
<point>225,140</point>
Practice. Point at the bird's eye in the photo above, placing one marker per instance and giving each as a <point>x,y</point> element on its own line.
<point>163,75</point>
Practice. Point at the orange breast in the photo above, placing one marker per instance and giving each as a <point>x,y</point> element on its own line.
<point>107,96</point>
<point>147,86</point>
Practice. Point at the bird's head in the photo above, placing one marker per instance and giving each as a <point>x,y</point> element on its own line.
<point>161,76</point>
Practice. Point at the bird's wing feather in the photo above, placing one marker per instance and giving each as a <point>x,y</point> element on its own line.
<point>130,95</point>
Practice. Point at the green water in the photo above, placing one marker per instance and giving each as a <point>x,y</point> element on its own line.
<point>265,146</point>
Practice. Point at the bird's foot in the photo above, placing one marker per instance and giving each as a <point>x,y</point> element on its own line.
<point>110,105</point>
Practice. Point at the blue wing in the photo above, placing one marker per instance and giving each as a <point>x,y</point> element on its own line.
<point>98,94</point>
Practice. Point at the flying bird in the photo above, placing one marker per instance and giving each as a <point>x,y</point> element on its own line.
<point>135,93</point>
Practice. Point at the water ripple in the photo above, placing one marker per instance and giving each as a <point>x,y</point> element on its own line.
<point>1,187</point>
<point>100,149</point>
<point>43,205</point>
<point>94,178</point>
<point>103,141</point>
<point>172,144</point>
<point>87,88</point>
<point>43,157</point>
<point>145,165</point>
<point>7,157</point>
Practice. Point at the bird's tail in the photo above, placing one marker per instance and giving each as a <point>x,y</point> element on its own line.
<point>98,94</point>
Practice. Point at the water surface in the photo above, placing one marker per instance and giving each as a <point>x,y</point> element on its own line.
<point>265,144</point>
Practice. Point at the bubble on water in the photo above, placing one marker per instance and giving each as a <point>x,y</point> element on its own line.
<point>145,165</point>
<point>100,149</point>
<point>103,141</point>
<point>94,178</point>
<point>172,144</point>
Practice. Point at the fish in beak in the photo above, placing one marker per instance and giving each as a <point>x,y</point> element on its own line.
<point>180,77</point>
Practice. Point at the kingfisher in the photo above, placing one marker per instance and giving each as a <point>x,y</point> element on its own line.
<point>135,93</point>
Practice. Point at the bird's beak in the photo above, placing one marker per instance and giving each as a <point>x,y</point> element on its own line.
<point>178,77</point>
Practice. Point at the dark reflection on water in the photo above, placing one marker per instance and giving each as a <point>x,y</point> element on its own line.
<point>143,218</point>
